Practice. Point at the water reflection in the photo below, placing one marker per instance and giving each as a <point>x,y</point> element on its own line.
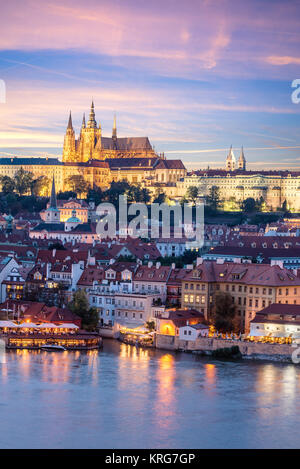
<point>210,374</point>
<point>125,396</point>
<point>165,401</point>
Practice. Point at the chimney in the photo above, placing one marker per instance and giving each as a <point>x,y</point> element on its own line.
<point>157,265</point>
<point>173,265</point>
<point>53,252</point>
<point>150,264</point>
<point>220,261</point>
<point>199,261</point>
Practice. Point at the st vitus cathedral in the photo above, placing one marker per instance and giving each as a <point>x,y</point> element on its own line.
<point>91,145</point>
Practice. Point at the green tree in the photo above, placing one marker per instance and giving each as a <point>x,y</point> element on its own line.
<point>225,318</point>
<point>214,199</point>
<point>116,189</point>
<point>40,186</point>
<point>145,195</point>
<point>23,181</point>
<point>66,195</point>
<point>95,195</point>
<point>80,306</point>
<point>285,206</point>
<point>78,184</point>
<point>192,194</point>
<point>8,184</point>
<point>248,205</point>
<point>160,198</point>
<point>150,325</point>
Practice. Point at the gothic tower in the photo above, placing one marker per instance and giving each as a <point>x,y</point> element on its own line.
<point>52,213</point>
<point>69,150</point>
<point>242,161</point>
<point>230,160</point>
<point>114,134</point>
<point>89,137</point>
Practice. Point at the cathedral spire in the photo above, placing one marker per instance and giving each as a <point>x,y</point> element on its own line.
<point>242,160</point>
<point>53,202</point>
<point>114,131</point>
<point>230,160</point>
<point>83,121</point>
<point>70,124</point>
<point>92,124</point>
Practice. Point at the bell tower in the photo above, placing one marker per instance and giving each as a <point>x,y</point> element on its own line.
<point>242,161</point>
<point>52,212</point>
<point>69,150</point>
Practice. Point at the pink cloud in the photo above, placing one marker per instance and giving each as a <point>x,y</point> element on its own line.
<point>283,60</point>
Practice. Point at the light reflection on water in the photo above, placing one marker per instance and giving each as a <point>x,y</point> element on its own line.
<point>127,397</point>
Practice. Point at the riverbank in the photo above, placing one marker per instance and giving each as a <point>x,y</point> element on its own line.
<point>206,346</point>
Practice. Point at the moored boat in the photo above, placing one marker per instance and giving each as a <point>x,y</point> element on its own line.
<point>53,348</point>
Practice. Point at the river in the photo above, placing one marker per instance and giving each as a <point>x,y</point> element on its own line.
<point>123,397</point>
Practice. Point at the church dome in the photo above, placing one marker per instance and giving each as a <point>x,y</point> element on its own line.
<point>73,220</point>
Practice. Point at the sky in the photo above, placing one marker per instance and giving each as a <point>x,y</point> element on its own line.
<point>194,76</point>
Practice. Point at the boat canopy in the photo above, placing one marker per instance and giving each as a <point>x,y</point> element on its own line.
<point>28,325</point>
<point>47,325</point>
<point>68,326</point>
<point>8,324</point>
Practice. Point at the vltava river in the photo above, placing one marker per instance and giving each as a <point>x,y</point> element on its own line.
<point>123,397</point>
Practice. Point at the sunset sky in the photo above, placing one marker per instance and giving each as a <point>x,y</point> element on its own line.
<point>195,76</point>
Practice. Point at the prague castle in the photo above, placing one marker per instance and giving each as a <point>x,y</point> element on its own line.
<point>101,160</point>
<point>91,145</point>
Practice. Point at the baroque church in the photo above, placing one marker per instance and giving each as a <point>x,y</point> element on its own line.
<point>91,145</point>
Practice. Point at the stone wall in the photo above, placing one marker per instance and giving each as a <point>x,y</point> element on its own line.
<point>249,349</point>
<point>106,332</point>
<point>166,342</point>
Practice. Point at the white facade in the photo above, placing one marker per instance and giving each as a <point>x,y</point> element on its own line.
<point>174,247</point>
<point>193,332</point>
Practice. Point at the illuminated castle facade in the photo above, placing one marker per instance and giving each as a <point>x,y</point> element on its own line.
<point>236,183</point>
<point>102,160</point>
<point>91,145</point>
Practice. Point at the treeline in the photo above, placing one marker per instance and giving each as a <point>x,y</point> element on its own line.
<point>23,182</point>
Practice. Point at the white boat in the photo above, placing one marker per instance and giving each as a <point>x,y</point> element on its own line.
<point>52,348</point>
